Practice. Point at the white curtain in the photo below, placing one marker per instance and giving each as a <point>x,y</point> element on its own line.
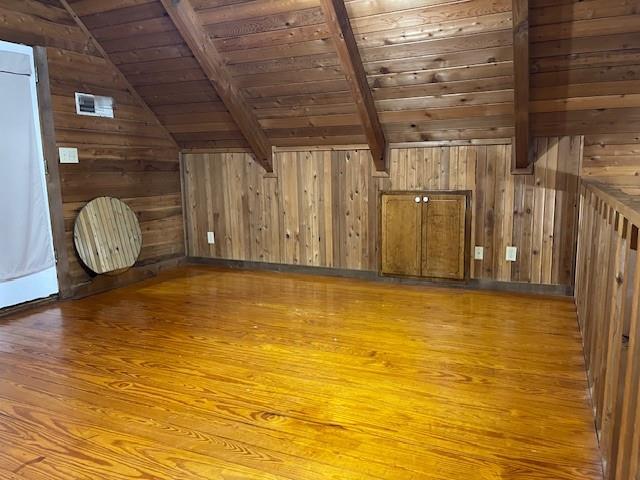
<point>25,231</point>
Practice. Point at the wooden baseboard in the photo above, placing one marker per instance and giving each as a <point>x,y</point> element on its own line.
<point>103,283</point>
<point>491,285</point>
<point>4,312</point>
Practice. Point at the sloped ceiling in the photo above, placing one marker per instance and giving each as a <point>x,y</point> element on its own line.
<point>438,69</point>
<point>142,41</point>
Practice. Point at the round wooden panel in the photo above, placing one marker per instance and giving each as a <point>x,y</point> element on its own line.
<point>107,235</point>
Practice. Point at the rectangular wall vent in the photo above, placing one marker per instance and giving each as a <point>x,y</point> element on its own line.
<point>94,105</point>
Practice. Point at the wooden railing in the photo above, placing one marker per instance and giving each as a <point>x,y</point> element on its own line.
<point>608,296</point>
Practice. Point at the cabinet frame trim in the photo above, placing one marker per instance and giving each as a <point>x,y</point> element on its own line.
<point>468,194</point>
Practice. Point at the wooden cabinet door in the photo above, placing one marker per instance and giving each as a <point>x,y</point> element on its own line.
<point>401,234</point>
<point>444,236</point>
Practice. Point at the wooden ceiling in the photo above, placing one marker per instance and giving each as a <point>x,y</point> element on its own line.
<point>438,69</point>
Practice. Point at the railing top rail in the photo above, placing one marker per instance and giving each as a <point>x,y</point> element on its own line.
<point>625,203</point>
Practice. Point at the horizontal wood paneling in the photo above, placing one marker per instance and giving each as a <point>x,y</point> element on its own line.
<point>437,69</point>
<point>585,64</point>
<point>321,206</point>
<point>128,157</point>
<point>613,159</point>
<point>143,42</point>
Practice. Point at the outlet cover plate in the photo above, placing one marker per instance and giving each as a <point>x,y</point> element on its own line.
<point>479,253</point>
<point>512,254</point>
<point>68,155</point>
<point>211,238</point>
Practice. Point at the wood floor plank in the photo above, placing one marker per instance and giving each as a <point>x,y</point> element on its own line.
<point>213,373</point>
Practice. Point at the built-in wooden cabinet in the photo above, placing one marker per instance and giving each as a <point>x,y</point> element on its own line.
<point>425,234</point>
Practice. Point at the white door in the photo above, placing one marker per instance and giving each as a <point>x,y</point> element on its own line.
<point>27,260</point>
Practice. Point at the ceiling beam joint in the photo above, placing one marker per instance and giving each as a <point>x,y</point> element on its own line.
<point>337,20</point>
<point>185,18</point>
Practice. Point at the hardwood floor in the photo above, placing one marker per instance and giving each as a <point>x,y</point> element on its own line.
<point>206,373</point>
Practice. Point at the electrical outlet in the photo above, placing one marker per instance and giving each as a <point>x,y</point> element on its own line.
<point>479,253</point>
<point>512,254</point>
<point>211,238</point>
<point>68,155</point>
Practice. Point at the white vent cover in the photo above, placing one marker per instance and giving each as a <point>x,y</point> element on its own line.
<point>94,105</point>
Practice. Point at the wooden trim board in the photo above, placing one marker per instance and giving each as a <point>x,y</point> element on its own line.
<point>337,19</point>
<point>54,184</point>
<point>21,307</point>
<point>336,148</point>
<point>213,64</point>
<point>103,283</point>
<point>490,285</point>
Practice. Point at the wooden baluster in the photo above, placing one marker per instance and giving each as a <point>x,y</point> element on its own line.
<point>591,285</point>
<point>614,321</point>
<point>602,329</point>
<point>627,455</point>
<point>583,243</point>
<point>585,265</point>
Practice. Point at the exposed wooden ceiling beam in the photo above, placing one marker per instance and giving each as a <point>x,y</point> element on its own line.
<point>337,20</point>
<point>132,91</point>
<point>522,156</point>
<point>186,21</point>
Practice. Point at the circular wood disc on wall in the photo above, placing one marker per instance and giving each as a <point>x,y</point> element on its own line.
<point>107,235</point>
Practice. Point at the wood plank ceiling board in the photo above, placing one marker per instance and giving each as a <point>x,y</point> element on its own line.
<point>130,88</point>
<point>282,56</point>
<point>203,48</point>
<point>438,69</point>
<point>143,43</point>
<point>585,67</point>
<point>338,22</point>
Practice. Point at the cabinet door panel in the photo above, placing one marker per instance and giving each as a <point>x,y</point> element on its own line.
<point>444,237</point>
<point>401,234</point>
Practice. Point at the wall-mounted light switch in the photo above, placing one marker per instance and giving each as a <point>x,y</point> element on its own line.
<point>479,253</point>
<point>512,254</point>
<point>211,238</point>
<point>68,155</point>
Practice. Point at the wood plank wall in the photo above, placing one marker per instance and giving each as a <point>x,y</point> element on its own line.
<point>143,42</point>
<point>128,157</point>
<point>585,67</point>
<point>321,206</point>
<point>608,299</point>
<point>613,159</point>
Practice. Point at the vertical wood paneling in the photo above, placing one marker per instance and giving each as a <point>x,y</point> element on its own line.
<point>322,209</point>
<point>489,220</point>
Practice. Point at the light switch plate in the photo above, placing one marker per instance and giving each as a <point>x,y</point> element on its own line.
<point>479,253</point>
<point>512,254</point>
<point>68,155</point>
<point>211,238</point>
